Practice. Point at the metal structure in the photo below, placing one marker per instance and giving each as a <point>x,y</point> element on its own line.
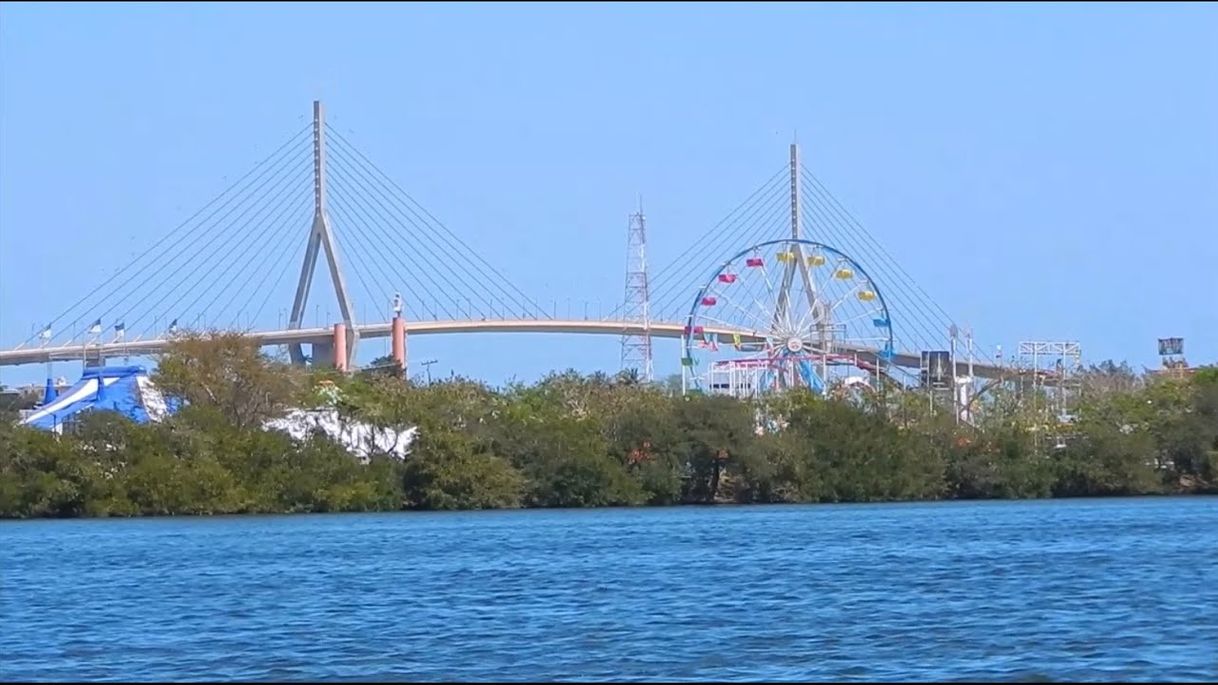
<point>1050,370</point>
<point>636,349</point>
<point>321,236</point>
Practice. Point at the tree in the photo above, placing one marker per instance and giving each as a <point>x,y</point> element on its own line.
<point>228,372</point>
<point>447,472</point>
<point>714,431</point>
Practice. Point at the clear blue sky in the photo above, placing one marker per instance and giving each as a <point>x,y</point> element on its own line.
<point>1067,154</point>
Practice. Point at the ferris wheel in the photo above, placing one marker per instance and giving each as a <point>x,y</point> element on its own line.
<point>786,314</point>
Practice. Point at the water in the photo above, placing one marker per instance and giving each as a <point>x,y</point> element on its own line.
<point>1051,590</point>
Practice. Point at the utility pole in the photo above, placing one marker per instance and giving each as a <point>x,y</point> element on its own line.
<point>427,365</point>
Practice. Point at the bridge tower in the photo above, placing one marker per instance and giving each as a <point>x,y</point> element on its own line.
<point>322,236</point>
<point>636,349</point>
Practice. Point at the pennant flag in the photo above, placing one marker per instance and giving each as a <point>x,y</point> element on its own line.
<point>46,333</point>
<point>173,326</point>
<point>727,278</point>
<point>120,329</point>
<point>95,328</point>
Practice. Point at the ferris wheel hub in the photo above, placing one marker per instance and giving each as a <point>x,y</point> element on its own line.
<point>795,344</point>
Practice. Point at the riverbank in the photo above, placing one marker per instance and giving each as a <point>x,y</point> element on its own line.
<point>594,441</point>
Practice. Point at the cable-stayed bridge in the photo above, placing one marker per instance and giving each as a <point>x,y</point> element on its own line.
<point>790,288</point>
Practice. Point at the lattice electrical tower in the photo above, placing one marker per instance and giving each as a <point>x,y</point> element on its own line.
<point>636,349</point>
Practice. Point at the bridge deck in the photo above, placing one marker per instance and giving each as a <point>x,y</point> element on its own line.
<point>37,355</point>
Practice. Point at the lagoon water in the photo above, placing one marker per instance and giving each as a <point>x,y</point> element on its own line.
<point>1046,590</point>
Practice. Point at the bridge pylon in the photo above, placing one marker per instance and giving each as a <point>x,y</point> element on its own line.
<point>321,236</point>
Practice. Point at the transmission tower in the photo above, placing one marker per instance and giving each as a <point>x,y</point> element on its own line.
<point>636,349</point>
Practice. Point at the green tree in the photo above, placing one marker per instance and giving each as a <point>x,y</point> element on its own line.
<point>447,472</point>
<point>227,371</point>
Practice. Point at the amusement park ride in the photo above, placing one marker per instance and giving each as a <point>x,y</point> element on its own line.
<point>790,306</point>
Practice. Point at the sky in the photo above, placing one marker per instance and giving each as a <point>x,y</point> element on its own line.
<point>1042,171</point>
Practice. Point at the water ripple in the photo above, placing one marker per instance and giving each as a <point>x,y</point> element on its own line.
<point>1019,592</point>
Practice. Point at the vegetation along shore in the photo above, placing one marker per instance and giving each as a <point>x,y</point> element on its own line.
<point>588,441</point>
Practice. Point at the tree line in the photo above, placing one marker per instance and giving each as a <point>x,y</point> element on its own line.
<point>573,440</point>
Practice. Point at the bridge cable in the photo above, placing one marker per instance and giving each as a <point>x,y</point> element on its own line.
<point>678,294</point>
<point>502,280</point>
<point>250,247</point>
<point>201,258</point>
<point>422,224</point>
<point>444,256</point>
<point>118,296</point>
<point>389,274</point>
<point>662,277</point>
<point>820,187</point>
<point>761,210</point>
<point>819,217</point>
<point>385,223</point>
<point>297,258</point>
<point>200,263</point>
<point>927,323</point>
<point>287,230</point>
<point>440,265</point>
<point>376,220</point>
<point>172,233</point>
<point>352,248</point>
<point>281,230</point>
<point>750,231</point>
<point>387,214</point>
